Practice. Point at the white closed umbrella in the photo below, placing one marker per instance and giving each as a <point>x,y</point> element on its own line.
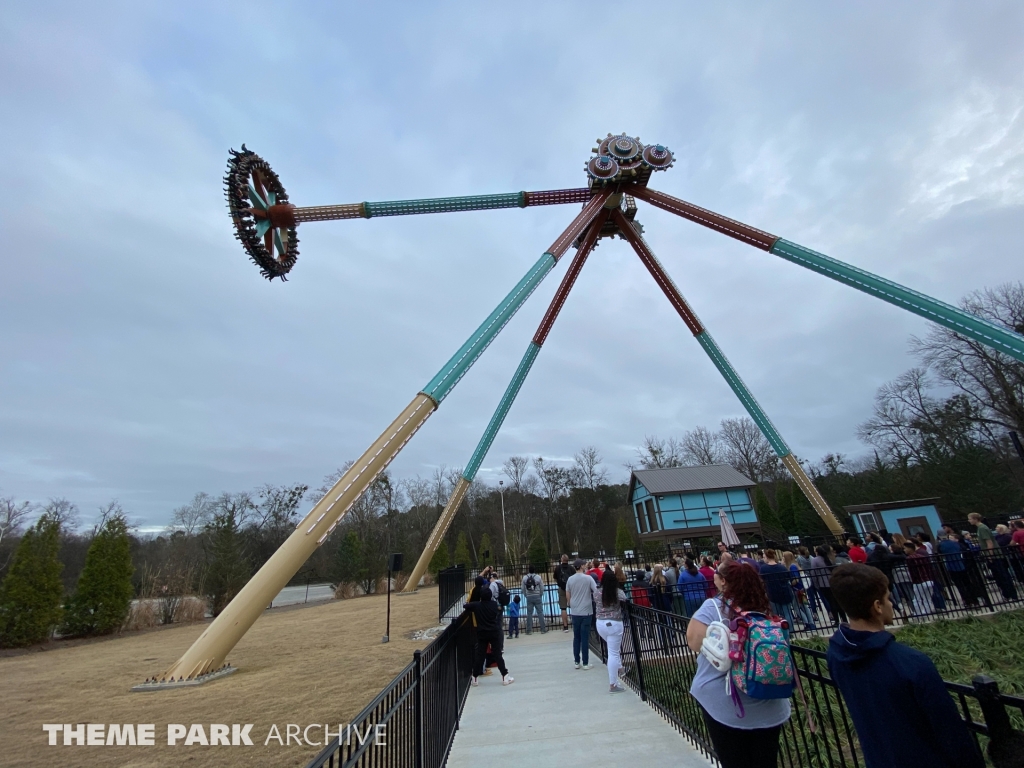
<point>729,537</point>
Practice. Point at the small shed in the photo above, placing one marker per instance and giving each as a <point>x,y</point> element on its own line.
<point>670,504</point>
<point>909,517</point>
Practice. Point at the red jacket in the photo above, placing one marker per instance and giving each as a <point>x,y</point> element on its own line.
<point>858,555</point>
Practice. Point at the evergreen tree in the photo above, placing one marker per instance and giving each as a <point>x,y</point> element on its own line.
<point>486,550</point>
<point>462,556</point>
<point>440,559</point>
<point>31,593</point>
<point>537,553</point>
<point>228,566</point>
<point>104,592</point>
<point>348,564</point>
<point>784,506</point>
<point>623,537</point>
<point>764,510</point>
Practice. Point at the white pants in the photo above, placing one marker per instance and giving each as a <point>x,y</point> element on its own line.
<point>611,633</point>
<point>923,597</point>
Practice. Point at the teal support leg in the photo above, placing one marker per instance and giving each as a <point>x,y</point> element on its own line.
<point>745,396</point>
<point>972,326</point>
<point>501,412</point>
<point>446,379</point>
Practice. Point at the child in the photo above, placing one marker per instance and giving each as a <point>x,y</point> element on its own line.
<point>896,698</point>
<point>513,618</point>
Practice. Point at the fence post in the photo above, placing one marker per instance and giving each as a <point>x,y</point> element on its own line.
<point>636,651</point>
<point>1000,731</point>
<point>417,658</point>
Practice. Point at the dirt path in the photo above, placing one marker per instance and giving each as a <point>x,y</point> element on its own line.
<point>315,664</point>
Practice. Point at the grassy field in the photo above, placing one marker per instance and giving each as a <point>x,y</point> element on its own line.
<point>305,664</point>
<point>962,648</point>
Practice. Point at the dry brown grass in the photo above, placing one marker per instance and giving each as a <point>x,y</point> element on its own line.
<point>345,591</point>
<point>189,610</point>
<point>308,664</point>
<point>143,615</point>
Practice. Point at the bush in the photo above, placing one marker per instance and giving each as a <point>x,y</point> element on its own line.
<point>30,595</point>
<point>104,593</point>
<point>190,609</point>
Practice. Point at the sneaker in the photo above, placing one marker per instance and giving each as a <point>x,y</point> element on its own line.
<point>616,689</point>
<point>565,629</point>
<point>577,665</point>
<point>588,666</point>
<point>475,683</point>
<point>507,680</point>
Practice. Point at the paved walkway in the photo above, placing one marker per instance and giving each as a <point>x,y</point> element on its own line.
<point>556,715</point>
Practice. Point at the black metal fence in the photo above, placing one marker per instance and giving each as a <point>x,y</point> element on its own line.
<point>942,585</point>
<point>921,588</point>
<point>451,592</point>
<point>412,722</point>
<point>660,667</point>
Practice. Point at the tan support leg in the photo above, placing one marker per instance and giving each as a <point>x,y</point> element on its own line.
<point>440,529</point>
<point>813,495</point>
<point>207,654</point>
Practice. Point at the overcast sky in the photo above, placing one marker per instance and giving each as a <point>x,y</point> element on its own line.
<point>143,358</point>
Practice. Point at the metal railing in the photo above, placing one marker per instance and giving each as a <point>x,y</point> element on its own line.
<point>451,592</point>
<point>660,667</point>
<point>412,722</point>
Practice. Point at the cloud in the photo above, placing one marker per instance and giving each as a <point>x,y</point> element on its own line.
<point>143,358</point>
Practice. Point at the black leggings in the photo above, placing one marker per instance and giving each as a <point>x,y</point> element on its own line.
<point>738,748</point>
<point>832,604</point>
<point>495,640</point>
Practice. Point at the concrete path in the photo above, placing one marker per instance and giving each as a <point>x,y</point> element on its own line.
<point>556,715</point>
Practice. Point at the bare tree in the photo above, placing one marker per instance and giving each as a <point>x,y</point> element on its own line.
<point>64,513</point>
<point>329,482</point>
<point>515,469</point>
<point>656,453</point>
<point>191,518</point>
<point>111,511</point>
<point>747,450</point>
<point>13,516</point>
<point>992,382</point>
<point>441,485</point>
<point>702,447</point>
<point>587,469</point>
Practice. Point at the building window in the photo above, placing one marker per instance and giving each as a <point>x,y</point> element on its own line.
<point>640,518</point>
<point>652,516</point>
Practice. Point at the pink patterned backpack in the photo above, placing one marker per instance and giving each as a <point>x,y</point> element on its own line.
<point>762,663</point>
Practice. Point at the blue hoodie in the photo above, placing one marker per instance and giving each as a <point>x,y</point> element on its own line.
<point>903,715</point>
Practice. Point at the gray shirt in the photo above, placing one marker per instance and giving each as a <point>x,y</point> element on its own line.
<point>579,590</point>
<point>708,688</point>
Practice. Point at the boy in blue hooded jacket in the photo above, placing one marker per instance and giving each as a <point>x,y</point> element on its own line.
<point>903,715</point>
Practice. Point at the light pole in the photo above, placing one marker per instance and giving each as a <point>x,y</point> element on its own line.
<point>504,532</point>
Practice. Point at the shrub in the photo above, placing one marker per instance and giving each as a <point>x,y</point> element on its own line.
<point>104,593</point>
<point>142,615</point>
<point>30,595</point>
<point>190,609</point>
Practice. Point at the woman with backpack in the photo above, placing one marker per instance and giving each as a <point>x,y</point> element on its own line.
<point>744,728</point>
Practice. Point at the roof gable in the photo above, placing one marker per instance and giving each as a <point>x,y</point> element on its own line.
<point>685,479</point>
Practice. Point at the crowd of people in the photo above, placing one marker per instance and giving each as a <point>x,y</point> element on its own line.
<point>895,696</point>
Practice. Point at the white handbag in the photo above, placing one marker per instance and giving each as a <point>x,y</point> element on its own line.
<point>715,646</point>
